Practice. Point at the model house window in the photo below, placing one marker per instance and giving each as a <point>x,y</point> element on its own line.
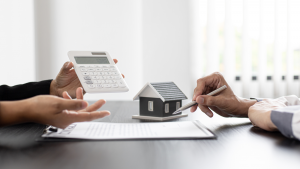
<point>177,105</point>
<point>167,108</point>
<point>150,105</point>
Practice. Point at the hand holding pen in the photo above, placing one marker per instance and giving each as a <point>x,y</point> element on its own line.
<point>226,103</point>
<point>195,103</point>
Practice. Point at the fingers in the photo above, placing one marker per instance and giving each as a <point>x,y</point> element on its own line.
<point>116,61</point>
<point>79,93</point>
<point>205,101</point>
<point>66,104</point>
<point>66,67</point>
<point>66,95</point>
<point>194,108</point>
<point>208,83</point>
<point>95,106</point>
<point>209,100</point>
<point>67,117</point>
<point>86,116</point>
<point>206,110</point>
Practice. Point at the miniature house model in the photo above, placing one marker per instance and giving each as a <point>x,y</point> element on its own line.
<point>158,101</point>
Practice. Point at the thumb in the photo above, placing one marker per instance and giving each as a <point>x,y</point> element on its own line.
<point>66,67</point>
<point>71,104</point>
<point>209,100</point>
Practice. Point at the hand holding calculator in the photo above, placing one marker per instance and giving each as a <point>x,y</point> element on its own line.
<point>97,72</point>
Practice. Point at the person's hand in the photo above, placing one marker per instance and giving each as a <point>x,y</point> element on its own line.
<point>62,112</point>
<point>67,80</point>
<point>260,113</point>
<point>226,103</point>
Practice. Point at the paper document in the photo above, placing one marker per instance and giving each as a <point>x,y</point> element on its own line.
<point>111,131</point>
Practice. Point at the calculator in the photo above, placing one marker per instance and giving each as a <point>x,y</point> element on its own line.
<point>97,72</point>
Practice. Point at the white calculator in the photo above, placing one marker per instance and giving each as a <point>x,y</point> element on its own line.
<point>97,72</point>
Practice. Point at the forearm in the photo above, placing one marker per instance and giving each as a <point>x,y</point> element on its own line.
<point>24,91</point>
<point>13,112</point>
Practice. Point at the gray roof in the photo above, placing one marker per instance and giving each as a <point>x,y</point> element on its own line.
<point>169,91</point>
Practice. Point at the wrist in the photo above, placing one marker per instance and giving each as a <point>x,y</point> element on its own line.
<point>53,88</point>
<point>13,112</point>
<point>245,104</point>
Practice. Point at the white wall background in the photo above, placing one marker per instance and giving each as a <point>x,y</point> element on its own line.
<point>165,38</point>
<point>16,42</point>
<point>155,40</point>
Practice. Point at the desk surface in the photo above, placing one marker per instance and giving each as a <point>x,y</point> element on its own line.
<point>238,145</point>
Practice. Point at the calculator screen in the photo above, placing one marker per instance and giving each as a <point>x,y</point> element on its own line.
<point>91,60</point>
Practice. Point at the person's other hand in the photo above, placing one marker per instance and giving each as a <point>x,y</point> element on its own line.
<point>260,113</point>
<point>60,112</point>
<point>67,80</point>
<point>226,103</point>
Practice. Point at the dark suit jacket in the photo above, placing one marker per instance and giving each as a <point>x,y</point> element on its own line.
<point>24,91</point>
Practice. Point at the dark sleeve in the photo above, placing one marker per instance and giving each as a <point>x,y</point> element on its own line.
<point>24,91</point>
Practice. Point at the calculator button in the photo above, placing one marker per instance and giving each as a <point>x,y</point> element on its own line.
<point>83,69</point>
<point>91,73</point>
<point>99,81</point>
<point>101,73</point>
<point>114,81</point>
<point>100,77</point>
<point>107,85</point>
<point>86,77</point>
<point>108,81</point>
<point>113,69</point>
<point>115,85</point>
<point>98,85</point>
<point>89,82</point>
<point>91,69</point>
<point>98,69</point>
<point>117,77</point>
<point>95,73</point>
<point>104,77</point>
<point>105,69</point>
<point>114,73</point>
<point>95,81</point>
<point>95,77</point>
<point>102,81</point>
<point>106,73</point>
<point>108,77</point>
<point>85,73</point>
<point>120,83</point>
<point>91,86</point>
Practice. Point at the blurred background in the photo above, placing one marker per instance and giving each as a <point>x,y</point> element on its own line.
<point>255,44</point>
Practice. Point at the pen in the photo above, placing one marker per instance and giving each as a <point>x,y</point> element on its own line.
<point>194,102</point>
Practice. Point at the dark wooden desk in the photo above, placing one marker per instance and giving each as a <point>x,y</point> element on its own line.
<point>239,145</point>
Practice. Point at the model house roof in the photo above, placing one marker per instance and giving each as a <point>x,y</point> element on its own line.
<point>166,91</point>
